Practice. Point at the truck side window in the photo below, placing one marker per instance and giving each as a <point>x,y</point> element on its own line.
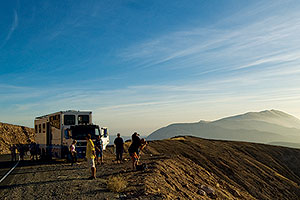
<point>105,132</point>
<point>69,120</point>
<point>97,132</point>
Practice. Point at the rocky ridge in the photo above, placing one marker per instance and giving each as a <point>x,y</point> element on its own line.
<point>13,134</point>
<point>177,168</point>
<point>195,168</point>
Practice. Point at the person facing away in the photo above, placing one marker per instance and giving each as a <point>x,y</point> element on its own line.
<point>119,148</point>
<point>90,155</point>
<point>32,150</point>
<point>99,150</point>
<point>22,151</point>
<point>73,152</point>
<point>13,153</point>
<point>134,149</point>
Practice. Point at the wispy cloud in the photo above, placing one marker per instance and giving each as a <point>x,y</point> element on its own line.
<point>12,28</point>
<point>249,60</point>
<point>269,39</point>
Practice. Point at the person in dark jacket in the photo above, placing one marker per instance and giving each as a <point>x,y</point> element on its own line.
<point>99,150</point>
<point>119,148</point>
<point>134,149</point>
<point>13,150</point>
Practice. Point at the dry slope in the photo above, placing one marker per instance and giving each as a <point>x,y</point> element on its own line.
<point>13,134</point>
<point>234,170</point>
<point>178,168</point>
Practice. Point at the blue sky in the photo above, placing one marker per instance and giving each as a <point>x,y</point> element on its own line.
<point>140,65</point>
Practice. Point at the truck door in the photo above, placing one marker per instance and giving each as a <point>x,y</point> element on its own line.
<point>48,135</point>
<point>48,141</point>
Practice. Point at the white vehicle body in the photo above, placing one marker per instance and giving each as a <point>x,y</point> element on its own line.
<point>53,131</point>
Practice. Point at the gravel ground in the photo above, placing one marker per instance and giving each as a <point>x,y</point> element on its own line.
<point>178,168</point>
<point>60,180</point>
<point>54,181</point>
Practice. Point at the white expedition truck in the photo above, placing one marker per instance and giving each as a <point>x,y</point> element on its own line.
<point>55,132</point>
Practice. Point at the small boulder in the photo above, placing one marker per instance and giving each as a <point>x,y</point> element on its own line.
<point>201,192</point>
<point>207,189</point>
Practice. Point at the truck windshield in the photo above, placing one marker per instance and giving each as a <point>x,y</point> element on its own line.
<point>80,132</point>
<point>83,119</point>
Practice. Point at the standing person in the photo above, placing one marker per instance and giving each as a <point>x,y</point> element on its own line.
<point>32,150</point>
<point>73,152</point>
<point>13,152</point>
<point>22,151</point>
<point>37,151</point>
<point>119,148</point>
<point>90,155</point>
<point>99,150</point>
<point>134,149</point>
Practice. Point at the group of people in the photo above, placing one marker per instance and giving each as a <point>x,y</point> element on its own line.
<point>34,150</point>
<point>98,148</point>
<point>22,149</point>
<point>94,151</point>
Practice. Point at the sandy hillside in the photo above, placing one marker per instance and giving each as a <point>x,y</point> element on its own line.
<point>178,168</point>
<point>13,134</point>
<point>234,170</point>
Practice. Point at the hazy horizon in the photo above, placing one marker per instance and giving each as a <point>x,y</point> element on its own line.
<point>141,65</point>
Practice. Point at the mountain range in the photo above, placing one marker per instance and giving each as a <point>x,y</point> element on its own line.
<point>269,126</point>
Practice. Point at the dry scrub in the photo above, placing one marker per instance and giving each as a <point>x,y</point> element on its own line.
<point>116,183</point>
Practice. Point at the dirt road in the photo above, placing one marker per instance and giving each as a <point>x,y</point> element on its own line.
<point>60,180</point>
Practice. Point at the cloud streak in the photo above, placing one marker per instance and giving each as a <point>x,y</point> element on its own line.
<point>270,40</point>
<point>12,28</point>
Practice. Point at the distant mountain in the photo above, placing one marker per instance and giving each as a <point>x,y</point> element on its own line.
<point>263,127</point>
<point>286,144</point>
<point>268,116</point>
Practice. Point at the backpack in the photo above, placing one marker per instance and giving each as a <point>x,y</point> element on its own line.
<point>141,167</point>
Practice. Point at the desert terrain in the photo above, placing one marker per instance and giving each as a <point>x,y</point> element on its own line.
<point>178,168</point>
<point>14,134</point>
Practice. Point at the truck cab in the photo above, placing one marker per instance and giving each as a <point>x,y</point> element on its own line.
<point>79,133</point>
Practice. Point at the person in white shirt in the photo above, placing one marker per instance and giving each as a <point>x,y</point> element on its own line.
<point>73,152</point>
